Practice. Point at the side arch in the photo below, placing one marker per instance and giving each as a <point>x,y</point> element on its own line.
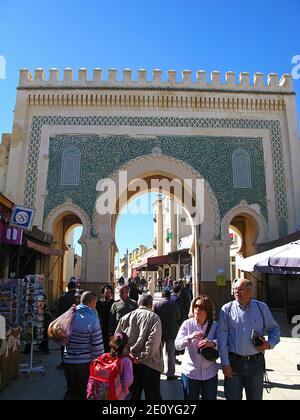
<point>54,224</point>
<point>68,207</point>
<point>248,210</point>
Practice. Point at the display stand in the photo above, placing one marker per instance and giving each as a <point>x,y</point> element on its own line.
<point>28,368</point>
<point>33,302</point>
<point>10,292</point>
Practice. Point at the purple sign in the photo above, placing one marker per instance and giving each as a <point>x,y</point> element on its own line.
<point>12,236</point>
<point>1,231</point>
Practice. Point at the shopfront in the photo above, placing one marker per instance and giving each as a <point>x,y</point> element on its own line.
<point>282,291</point>
<point>24,270</point>
<point>6,250</point>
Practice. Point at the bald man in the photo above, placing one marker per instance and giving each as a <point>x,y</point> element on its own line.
<point>242,356</point>
<point>120,308</point>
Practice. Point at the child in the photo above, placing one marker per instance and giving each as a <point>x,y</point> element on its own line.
<point>119,349</point>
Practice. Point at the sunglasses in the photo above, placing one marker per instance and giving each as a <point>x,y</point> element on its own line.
<point>201,307</point>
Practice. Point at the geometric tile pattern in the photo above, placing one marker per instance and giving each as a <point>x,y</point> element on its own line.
<point>70,166</point>
<point>103,156</point>
<point>137,121</point>
<point>241,166</point>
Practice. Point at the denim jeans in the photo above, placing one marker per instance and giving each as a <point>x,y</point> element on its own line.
<point>246,375</point>
<point>193,388</point>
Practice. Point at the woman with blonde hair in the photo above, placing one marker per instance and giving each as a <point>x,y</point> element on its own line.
<point>198,337</point>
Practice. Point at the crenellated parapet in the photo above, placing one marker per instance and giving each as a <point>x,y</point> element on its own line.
<point>187,81</point>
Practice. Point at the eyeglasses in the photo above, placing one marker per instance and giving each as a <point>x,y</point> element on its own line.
<point>237,290</point>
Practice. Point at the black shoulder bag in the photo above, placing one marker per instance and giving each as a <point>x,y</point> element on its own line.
<point>209,353</point>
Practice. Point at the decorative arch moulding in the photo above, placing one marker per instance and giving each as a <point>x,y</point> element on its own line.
<point>69,206</point>
<point>156,153</point>
<point>253,211</point>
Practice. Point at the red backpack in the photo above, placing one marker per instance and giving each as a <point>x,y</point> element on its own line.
<point>104,382</point>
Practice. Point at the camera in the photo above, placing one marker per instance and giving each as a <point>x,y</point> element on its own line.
<point>256,338</point>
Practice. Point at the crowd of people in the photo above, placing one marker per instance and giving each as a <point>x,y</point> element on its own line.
<point>137,330</point>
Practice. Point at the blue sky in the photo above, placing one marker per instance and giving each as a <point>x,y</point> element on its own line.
<point>259,35</point>
<point>132,230</point>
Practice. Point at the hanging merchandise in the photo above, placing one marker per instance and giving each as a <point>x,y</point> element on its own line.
<point>33,307</point>
<point>33,310</point>
<point>10,330</point>
<point>10,292</point>
<point>2,328</point>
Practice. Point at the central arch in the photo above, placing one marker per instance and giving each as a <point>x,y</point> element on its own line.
<point>148,168</point>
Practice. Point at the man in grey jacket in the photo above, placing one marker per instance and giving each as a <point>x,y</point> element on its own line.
<point>144,330</point>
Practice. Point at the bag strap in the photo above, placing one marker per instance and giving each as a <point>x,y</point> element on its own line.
<point>229,312</point>
<point>263,317</point>
<point>208,329</point>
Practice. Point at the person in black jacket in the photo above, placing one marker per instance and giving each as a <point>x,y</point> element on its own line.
<point>103,308</point>
<point>169,314</point>
<point>181,297</point>
<point>134,293</point>
<point>66,301</point>
<point>184,301</point>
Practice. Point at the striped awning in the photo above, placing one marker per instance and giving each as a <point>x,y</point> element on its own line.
<point>45,250</point>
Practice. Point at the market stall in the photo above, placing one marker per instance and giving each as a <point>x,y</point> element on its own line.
<point>281,267</point>
<point>22,311</point>
<point>10,330</point>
